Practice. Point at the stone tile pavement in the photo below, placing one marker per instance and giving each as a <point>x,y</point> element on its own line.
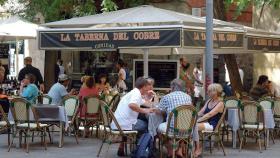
<point>88,148</point>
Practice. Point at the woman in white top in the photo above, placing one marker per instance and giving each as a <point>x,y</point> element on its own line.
<point>198,84</point>
<point>122,76</point>
<point>61,68</point>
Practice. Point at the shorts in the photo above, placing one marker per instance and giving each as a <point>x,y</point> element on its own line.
<point>208,127</point>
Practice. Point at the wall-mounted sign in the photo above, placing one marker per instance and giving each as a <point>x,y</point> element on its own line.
<point>110,39</point>
<point>4,50</point>
<point>197,38</point>
<point>262,43</point>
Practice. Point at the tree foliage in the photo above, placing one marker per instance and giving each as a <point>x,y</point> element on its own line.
<point>53,10</point>
<point>242,5</point>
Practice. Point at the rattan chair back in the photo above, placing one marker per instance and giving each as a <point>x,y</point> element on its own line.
<point>20,109</point>
<point>47,99</point>
<point>220,121</point>
<point>276,108</point>
<point>92,105</point>
<point>266,103</point>
<point>232,102</point>
<point>70,104</point>
<point>105,114</point>
<point>108,116</point>
<point>181,121</point>
<point>114,102</point>
<point>250,113</point>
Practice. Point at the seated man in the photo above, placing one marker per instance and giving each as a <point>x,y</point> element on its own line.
<point>58,90</point>
<point>129,108</point>
<point>170,101</point>
<point>28,89</point>
<point>260,88</point>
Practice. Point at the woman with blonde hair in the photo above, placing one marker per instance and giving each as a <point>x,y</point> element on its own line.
<point>212,111</point>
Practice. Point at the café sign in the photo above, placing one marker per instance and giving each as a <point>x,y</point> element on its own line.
<point>110,39</point>
<point>262,43</point>
<point>197,38</point>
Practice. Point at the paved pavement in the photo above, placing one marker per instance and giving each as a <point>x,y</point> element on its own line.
<point>88,148</point>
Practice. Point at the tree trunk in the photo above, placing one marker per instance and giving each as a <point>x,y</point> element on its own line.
<point>230,59</point>
<point>233,72</point>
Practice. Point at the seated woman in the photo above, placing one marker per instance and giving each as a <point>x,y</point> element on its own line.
<point>212,111</point>
<point>88,90</point>
<point>103,85</point>
<point>28,89</point>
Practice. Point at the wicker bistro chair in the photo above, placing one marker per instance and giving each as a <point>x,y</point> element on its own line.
<point>5,124</point>
<point>250,117</point>
<point>46,99</point>
<point>230,103</point>
<point>114,136</point>
<point>216,133</point>
<point>268,103</point>
<point>276,113</point>
<point>71,105</point>
<point>92,116</point>
<point>180,125</point>
<point>114,102</point>
<point>21,109</point>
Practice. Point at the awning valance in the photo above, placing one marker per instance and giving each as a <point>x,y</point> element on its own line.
<point>110,38</point>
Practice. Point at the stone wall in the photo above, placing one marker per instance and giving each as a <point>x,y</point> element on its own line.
<point>267,63</point>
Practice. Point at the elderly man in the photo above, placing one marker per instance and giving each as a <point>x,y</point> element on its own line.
<point>29,69</point>
<point>170,101</point>
<point>129,108</point>
<point>58,90</point>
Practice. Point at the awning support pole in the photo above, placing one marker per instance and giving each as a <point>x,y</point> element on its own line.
<point>17,59</point>
<point>146,62</point>
<point>209,45</point>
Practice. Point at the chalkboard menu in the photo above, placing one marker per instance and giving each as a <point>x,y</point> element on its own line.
<point>162,71</point>
<point>4,50</point>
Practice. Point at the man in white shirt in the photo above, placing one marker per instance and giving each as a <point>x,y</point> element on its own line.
<point>129,108</point>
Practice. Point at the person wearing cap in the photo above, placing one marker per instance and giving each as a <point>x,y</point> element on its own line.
<point>59,89</point>
<point>28,89</point>
<point>29,69</point>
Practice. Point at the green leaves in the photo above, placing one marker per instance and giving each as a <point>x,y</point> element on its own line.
<point>2,2</point>
<point>244,4</point>
<point>53,10</point>
<point>108,5</point>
